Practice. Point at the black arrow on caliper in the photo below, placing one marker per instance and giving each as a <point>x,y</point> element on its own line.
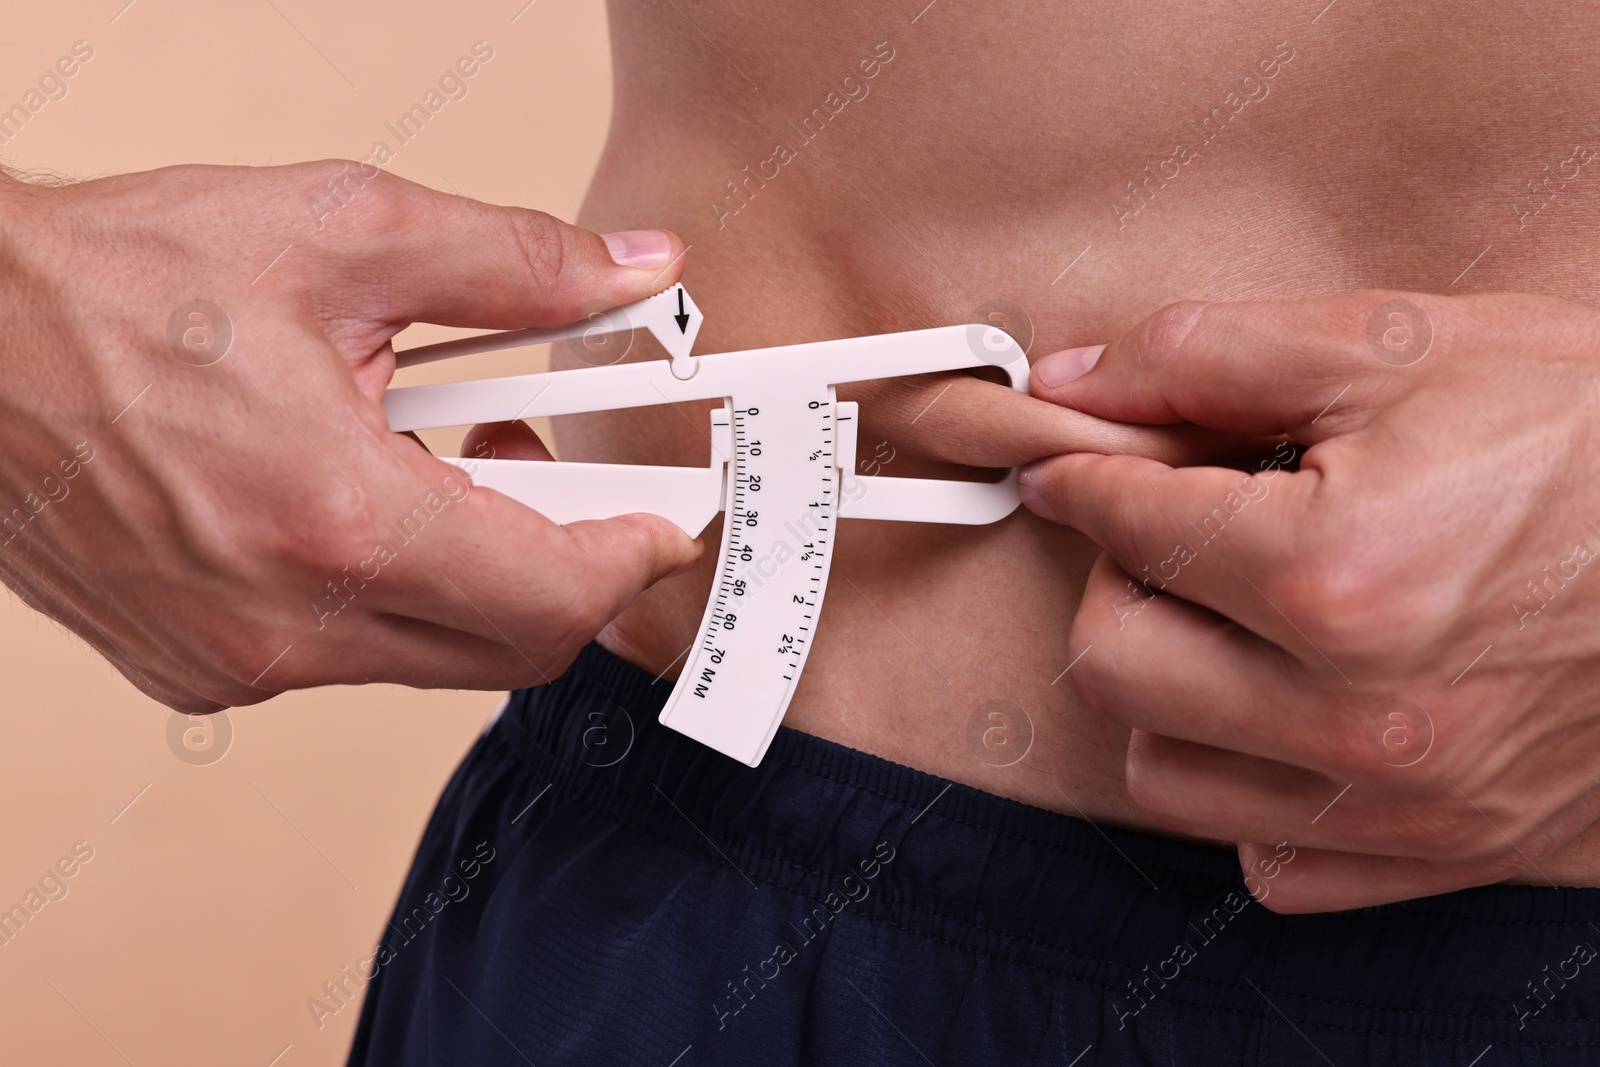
<point>681,316</point>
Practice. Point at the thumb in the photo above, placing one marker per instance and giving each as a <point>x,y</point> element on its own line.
<point>617,559</point>
<point>434,257</point>
<point>505,440</point>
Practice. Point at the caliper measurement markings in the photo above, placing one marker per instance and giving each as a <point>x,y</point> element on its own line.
<point>764,520</point>
<point>793,645</point>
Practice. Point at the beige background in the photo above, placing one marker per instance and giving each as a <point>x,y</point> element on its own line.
<point>223,896</point>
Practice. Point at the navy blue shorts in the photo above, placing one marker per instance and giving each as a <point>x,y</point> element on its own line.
<point>594,889</point>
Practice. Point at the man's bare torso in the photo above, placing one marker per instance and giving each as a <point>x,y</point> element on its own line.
<point>841,169</point>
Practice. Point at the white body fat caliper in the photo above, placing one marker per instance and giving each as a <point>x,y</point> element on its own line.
<point>783,454</point>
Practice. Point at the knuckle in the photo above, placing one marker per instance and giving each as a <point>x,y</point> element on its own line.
<point>358,195</point>
<point>386,205</point>
<point>1145,787</point>
<point>1316,596</point>
<point>1357,592</point>
<point>1095,681</point>
<point>328,535</point>
<point>540,240</point>
<point>1096,625</point>
<point>1345,607</point>
<point>1158,339</point>
<point>312,178</point>
<point>239,654</point>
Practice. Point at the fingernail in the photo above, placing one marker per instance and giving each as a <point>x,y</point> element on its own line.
<point>639,248</point>
<point>691,565</point>
<point>1036,503</point>
<point>1059,368</point>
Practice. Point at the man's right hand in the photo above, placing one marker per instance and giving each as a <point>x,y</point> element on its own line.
<point>196,475</point>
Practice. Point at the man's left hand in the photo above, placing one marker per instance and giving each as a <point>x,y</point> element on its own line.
<point>1387,654</point>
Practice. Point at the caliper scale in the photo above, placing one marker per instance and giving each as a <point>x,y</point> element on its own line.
<point>783,450</point>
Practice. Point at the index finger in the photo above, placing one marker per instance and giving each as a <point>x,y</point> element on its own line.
<point>420,255</point>
<point>1206,534</point>
<point>1276,367</point>
<point>963,419</point>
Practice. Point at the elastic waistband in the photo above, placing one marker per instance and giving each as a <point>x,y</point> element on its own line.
<point>1001,878</point>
